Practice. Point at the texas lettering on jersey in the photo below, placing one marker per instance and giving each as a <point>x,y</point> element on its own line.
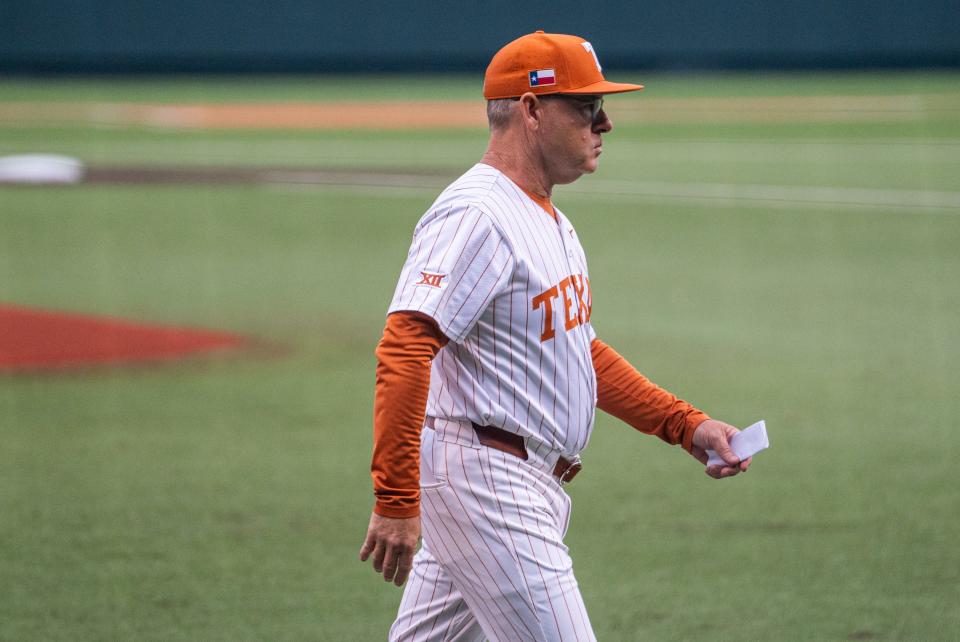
<point>581,299</point>
<point>487,262</point>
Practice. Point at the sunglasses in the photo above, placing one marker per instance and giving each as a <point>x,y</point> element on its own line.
<point>593,104</point>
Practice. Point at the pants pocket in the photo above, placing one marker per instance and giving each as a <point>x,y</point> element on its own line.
<point>433,473</point>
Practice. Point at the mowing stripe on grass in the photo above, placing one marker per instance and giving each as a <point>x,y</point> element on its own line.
<point>707,194</point>
<point>788,109</point>
<point>403,114</point>
<point>757,152</point>
<point>750,194</point>
<point>766,195</point>
<point>757,195</point>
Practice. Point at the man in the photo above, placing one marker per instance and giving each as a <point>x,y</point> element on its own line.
<point>489,372</point>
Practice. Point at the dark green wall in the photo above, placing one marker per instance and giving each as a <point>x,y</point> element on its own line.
<point>297,35</point>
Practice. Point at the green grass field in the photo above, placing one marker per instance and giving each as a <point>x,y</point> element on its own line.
<point>804,270</point>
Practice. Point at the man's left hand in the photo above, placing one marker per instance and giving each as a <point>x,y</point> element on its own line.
<point>392,542</point>
<point>716,435</point>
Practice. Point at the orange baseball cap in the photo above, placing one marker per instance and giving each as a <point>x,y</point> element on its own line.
<point>547,63</point>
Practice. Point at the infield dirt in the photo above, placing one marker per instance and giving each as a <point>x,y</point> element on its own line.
<point>33,339</point>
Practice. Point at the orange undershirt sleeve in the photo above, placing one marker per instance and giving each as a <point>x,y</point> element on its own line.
<point>629,396</point>
<point>404,356</point>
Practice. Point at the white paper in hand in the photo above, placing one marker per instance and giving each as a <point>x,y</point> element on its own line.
<point>746,443</point>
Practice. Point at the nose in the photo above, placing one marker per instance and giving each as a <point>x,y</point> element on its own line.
<point>602,124</point>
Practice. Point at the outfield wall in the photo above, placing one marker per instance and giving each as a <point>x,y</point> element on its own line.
<point>317,36</point>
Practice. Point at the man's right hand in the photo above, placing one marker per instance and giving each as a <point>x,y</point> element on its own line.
<point>392,542</point>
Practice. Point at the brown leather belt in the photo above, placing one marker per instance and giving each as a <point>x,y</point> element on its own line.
<point>513,444</point>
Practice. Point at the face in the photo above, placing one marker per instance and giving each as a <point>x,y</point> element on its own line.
<point>572,130</point>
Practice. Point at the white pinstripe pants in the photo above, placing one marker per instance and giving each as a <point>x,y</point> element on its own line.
<point>493,564</point>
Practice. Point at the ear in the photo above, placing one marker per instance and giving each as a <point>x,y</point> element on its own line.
<point>531,111</point>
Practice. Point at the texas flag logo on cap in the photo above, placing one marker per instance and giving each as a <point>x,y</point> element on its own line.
<point>542,78</point>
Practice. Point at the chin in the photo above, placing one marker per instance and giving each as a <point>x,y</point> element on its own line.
<point>588,167</point>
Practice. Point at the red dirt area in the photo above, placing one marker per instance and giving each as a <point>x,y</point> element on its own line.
<point>287,115</point>
<point>36,339</point>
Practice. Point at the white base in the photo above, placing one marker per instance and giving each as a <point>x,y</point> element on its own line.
<point>40,169</point>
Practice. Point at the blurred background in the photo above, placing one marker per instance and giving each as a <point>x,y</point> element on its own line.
<point>292,35</point>
<point>204,208</point>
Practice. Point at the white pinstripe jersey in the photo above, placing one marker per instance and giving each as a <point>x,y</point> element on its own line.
<point>508,285</point>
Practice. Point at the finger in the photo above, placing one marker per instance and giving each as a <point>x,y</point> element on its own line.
<point>378,552</point>
<point>727,454</point>
<point>745,464</point>
<point>403,569</point>
<point>397,564</point>
<point>367,547</point>
<point>720,472</point>
<point>390,564</point>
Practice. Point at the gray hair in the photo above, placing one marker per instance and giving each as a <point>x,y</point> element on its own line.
<point>499,111</point>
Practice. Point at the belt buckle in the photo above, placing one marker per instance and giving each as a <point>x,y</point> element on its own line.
<point>571,470</point>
